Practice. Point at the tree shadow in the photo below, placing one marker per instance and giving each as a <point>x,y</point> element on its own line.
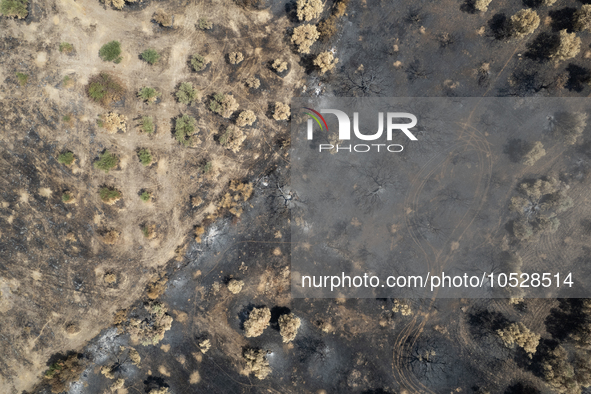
<point>578,77</point>
<point>515,148</point>
<point>500,26</point>
<point>541,47</point>
<point>562,19</point>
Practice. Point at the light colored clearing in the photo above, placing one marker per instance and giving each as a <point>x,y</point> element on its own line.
<point>36,275</point>
<point>162,369</point>
<point>97,219</point>
<point>5,204</point>
<point>277,252</point>
<point>52,92</point>
<point>195,377</point>
<point>181,359</point>
<point>10,219</point>
<point>198,356</point>
<point>24,196</point>
<point>181,316</point>
<point>165,348</point>
<point>41,59</point>
<point>45,192</point>
<point>56,20</point>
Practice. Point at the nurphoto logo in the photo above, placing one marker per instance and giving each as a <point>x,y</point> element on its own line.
<point>393,123</point>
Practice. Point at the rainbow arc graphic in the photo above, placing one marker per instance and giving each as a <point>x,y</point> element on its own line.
<point>315,116</point>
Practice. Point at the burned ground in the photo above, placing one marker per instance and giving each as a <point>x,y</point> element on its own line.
<point>62,283</point>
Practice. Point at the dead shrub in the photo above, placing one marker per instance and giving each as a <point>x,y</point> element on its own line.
<point>282,111</point>
<point>304,36</point>
<point>246,118</point>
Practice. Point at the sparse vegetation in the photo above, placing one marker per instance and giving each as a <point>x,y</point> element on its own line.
<point>66,158</point>
<point>204,346</point>
<point>308,9</point>
<point>524,23</point>
<point>288,327</point>
<point>237,192</point>
<point>582,18</point>
<point>149,95</point>
<point>111,52</point>
<point>15,8</point>
<point>106,161</point>
<point>61,373</point>
<point>151,330</point>
<point>67,81</point>
<point>185,129</point>
<point>481,5</point>
<point>204,24</point>
<point>252,82</point>
<point>162,17</point>
<point>118,4</point>
<point>186,93</point>
<point>66,47</point>
<point>569,46</point>
<point>145,196</point>
<point>150,56</point>
<point>22,78</point>
<point>257,321</point>
<point>279,65</point>
<point>256,363</point>
<point>401,307</point>
<point>67,197</point>
<point>326,61</point>
<point>327,27</point>
<point>112,122</point>
<point>232,138</point>
<point>235,286</point>
<point>149,231</point>
<point>104,89</point>
<point>223,104</point>
<point>145,157</point>
<point>235,57</point>
<point>538,202</point>
<point>246,118</point>
<point>304,36</point>
<point>198,62</point>
<point>536,152</point>
<point>147,125</point>
<point>282,111</point>
<point>519,334</point>
<point>568,125</point>
<point>109,195</point>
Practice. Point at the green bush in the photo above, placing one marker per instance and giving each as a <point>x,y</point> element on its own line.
<point>184,129</point>
<point>67,196</point>
<point>108,194</point>
<point>106,161</point>
<point>53,368</point>
<point>66,158</point>
<point>66,47</point>
<point>66,118</point>
<point>14,8</point>
<point>145,196</point>
<point>104,89</point>
<point>147,124</point>
<point>198,62</point>
<point>150,95</point>
<point>150,56</point>
<point>22,78</point>
<point>206,167</point>
<point>145,157</point>
<point>111,52</point>
<point>216,104</point>
<point>186,93</point>
<point>205,24</point>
